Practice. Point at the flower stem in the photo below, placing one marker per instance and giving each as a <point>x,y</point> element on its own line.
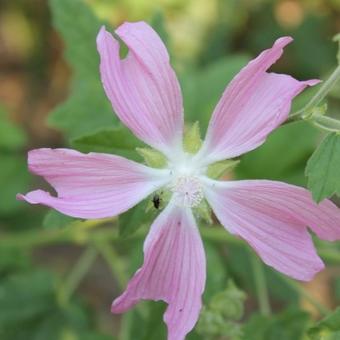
<point>319,96</point>
<point>77,273</point>
<point>326,123</point>
<point>260,285</point>
<point>40,237</point>
<point>323,310</point>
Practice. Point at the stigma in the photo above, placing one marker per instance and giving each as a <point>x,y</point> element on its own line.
<point>187,191</point>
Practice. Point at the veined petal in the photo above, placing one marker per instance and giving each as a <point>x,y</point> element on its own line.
<point>143,88</point>
<point>273,218</point>
<point>251,107</point>
<point>173,271</point>
<point>91,185</point>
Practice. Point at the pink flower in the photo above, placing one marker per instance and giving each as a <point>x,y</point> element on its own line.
<point>271,216</point>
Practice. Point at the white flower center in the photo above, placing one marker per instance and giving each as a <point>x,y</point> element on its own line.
<point>187,191</point>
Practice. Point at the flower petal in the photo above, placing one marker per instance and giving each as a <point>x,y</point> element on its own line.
<point>273,218</point>
<point>142,88</point>
<point>251,107</point>
<point>173,271</point>
<point>91,185</point>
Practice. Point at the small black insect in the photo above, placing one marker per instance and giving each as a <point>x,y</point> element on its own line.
<point>156,200</point>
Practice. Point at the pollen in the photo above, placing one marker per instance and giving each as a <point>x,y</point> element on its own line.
<point>187,191</point>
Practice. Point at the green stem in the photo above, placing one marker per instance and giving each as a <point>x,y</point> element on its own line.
<point>79,232</point>
<point>42,238</point>
<point>71,235</point>
<point>74,233</point>
<point>260,285</point>
<point>326,123</point>
<point>323,310</point>
<point>331,256</point>
<point>77,273</point>
<point>319,96</point>
<point>126,325</point>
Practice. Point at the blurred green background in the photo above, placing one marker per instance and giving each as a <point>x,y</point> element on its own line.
<point>58,276</point>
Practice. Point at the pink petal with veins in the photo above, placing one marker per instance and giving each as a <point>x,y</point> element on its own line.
<point>273,218</point>
<point>173,271</point>
<point>142,88</point>
<point>251,107</point>
<point>91,185</point>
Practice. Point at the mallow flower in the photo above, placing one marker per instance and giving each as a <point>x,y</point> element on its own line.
<point>145,94</point>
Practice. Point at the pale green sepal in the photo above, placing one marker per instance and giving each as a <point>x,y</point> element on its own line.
<point>192,139</point>
<point>218,169</point>
<point>152,157</point>
<point>149,205</point>
<point>203,211</point>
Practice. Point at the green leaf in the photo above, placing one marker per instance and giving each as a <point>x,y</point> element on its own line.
<point>282,157</point>
<point>328,328</point>
<point>212,325</point>
<point>119,141</point>
<point>132,220</point>
<point>203,88</point>
<point>12,137</point>
<point>14,178</point>
<point>229,302</point>
<point>11,260</point>
<point>323,168</point>
<point>24,296</point>
<point>54,220</point>
<point>220,316</point>
<point>30,299</point>
<point>290,324</point>
<point>87,109</point>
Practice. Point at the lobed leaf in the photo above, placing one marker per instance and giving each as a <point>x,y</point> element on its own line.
<point>115,140</point>
<point>86,109</point>
<point>323,168</point>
